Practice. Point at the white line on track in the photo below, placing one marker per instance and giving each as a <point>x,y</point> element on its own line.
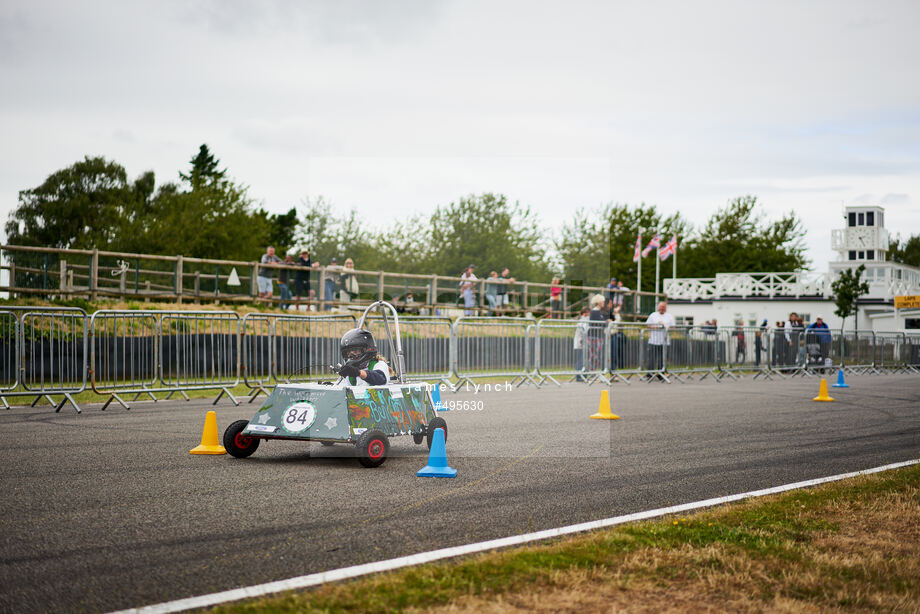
<point>355,571</point>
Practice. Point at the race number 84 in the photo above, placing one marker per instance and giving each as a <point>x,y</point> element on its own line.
<point>299,417</point>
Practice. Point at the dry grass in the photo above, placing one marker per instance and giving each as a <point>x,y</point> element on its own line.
<point>848,546</point>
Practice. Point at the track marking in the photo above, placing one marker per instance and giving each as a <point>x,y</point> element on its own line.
<point>355,571</point>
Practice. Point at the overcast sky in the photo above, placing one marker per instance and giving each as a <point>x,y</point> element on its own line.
<point>396,106</point>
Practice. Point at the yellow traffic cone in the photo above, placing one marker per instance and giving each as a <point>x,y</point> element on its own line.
<point>603,409</point>
<point>822,392</point>
<point>209,442</point>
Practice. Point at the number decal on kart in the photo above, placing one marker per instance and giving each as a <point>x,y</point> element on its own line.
<point>299,417</point>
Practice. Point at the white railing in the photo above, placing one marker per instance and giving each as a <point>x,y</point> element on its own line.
<point>746,285</point>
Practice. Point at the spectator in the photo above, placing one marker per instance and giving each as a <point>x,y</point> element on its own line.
<point>578,345</point>
<point>617,339</point>
<point>740,342</point>
<point>503,289</point>
<point>492,292</point>
<point>267,274</point>
<point>794,332</point>
<point>611,289</point>
<point>779,344</point>
<point>659,322</point>
<point>467,283</point>
<point>302,277</point>
<point>348,281</point>
<point>596,331</point>
<point>758,342</point>
<point>331,281</point>
<point>284,276</point>
<point>820,333</point>
<point>555,299</point>
<point>621,291</point>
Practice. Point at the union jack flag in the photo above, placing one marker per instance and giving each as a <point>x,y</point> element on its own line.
<point>655,242</point>
<point>638,248</point>
<point>669,248</point>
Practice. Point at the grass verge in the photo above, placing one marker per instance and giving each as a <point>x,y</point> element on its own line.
<point>852,545</point>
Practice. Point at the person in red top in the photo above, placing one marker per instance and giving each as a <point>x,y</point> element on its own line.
<point>555,299</point>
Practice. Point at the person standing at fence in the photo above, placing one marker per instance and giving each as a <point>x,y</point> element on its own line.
<point>492,292</point>
<point>819,333</point>
<point>617,339</point>
<point>504,288</point>
<point>349,282</point>
<point>555,299</point>
<point>597,327</point>
<point>620,293</point>
<point>658,322</point>
<point>611,290</point>
<point>302,277</point>
<point>793,338</point>
<point>284,276</point>
<point>740,342</point>
<point>467,283</point>
<point>331,281</point>
<point>758,342</point>
<point>579,343</point>
<point>266,275</point>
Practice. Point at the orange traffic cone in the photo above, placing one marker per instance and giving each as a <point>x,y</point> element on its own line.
<point>603,408</point>
<point>822,392</point>
<point>209,442</point>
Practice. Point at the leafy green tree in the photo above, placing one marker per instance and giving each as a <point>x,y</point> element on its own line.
<point>491,233</point>
<point>282,228</point>
<point>599,244</point>
<point>906,252</point>
<point>847,289</point>
<point>204,171</point>
<point>79,207</point>
<point>737,238</point>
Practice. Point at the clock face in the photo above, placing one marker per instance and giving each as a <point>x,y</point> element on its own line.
<point>860,238</point>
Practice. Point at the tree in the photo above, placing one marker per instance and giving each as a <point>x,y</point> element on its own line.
<point>738,239</point>
<point>599,244</point>
<point>907,252</point>
<point>204,171</point>
<point>847,289</point>
<point>78,207</point>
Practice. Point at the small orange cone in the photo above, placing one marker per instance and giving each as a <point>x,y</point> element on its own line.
<point>209,442</point>
<point>822,392</point>
<point>603,408</point>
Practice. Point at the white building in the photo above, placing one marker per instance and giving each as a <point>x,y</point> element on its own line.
<point>754,297</point>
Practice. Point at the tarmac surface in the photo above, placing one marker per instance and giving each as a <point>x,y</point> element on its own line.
<point>108,510</point>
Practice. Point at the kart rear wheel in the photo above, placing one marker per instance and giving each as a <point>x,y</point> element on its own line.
<point>372,448</point>
<point>418,438</point>
<point>436,423</point>
<point>236,443</point>
<point>327,443</point>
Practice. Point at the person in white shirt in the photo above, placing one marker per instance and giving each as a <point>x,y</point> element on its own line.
<point>466,290</point>
<point>578,343</point>
<point>659,322</point>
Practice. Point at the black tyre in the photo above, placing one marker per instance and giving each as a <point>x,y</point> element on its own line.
<point>418,438</point>
<point>327,443</point>
<point>236,443</point>
<point>436,423</point>
<point>372,448</point>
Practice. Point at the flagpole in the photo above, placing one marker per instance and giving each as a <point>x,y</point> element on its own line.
<point>657,266</point>
<point>674,255</point>
<point>639,261</point>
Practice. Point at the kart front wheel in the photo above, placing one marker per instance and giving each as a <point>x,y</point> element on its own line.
<point>418,438</point>
<point>236,443</point>
<point>436,423</point>
<point>372,448</point>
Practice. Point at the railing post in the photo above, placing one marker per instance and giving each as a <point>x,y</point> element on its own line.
<point>178,278</point>
<point>62,282</point>
<point>94,275</point>
<point>524,297</point>
<point>434,294</point>
<point>565,298</point>
<point>12,278</point>
<point>197,287</point>
<point>254,282</point>
<point>379,285</point>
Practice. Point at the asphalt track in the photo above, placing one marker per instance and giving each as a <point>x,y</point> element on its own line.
<point>107,510</point>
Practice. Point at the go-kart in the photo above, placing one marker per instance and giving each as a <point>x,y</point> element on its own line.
<point>331,413</point>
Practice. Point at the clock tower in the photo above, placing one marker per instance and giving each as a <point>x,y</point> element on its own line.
<point>864,239</point>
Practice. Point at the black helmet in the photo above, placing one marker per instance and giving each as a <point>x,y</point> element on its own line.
<point>358,347</point>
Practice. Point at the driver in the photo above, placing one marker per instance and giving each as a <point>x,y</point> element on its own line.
<point>363,366</point>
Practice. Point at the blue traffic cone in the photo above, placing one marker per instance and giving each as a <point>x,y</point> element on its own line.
<point>436,399</point>
<point>840,383</point>
<point>437,459</point>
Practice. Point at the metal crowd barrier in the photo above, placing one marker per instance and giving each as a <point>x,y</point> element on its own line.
<point>748,350</point>
<point>44,353</point>
<point>426,343</point>
<point>492,347</point>
<point>144,352</point>
<point>579,351</point>
<point>289,348</point>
